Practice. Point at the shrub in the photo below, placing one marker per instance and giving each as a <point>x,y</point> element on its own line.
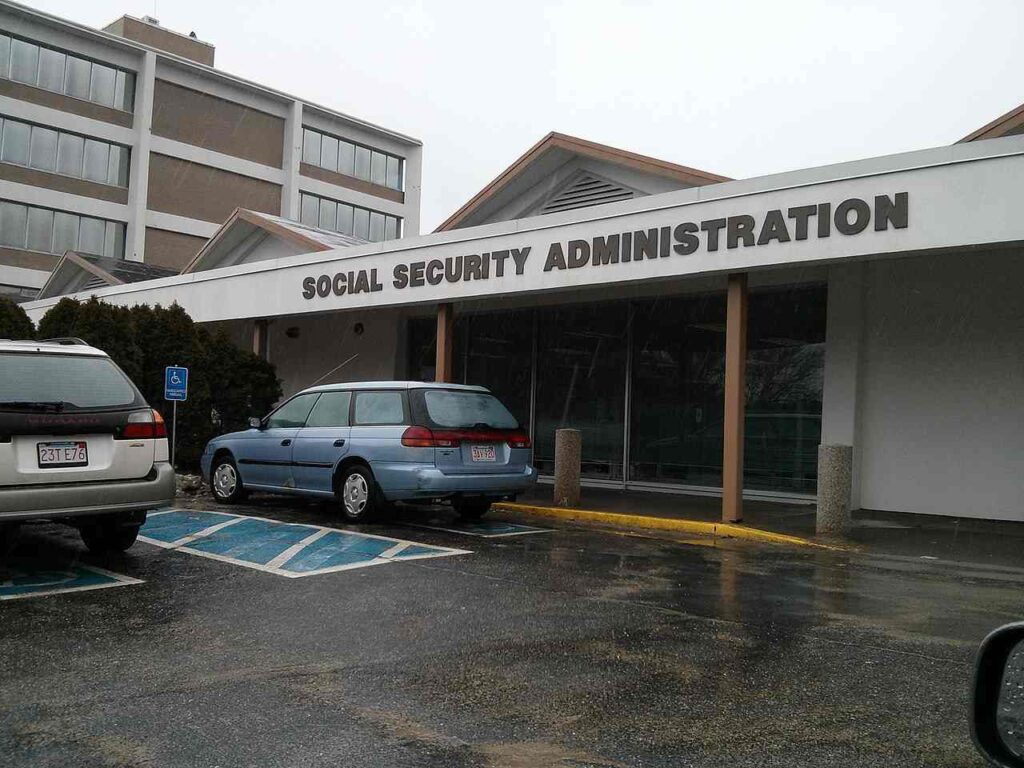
<point>226,384</point>
<point>14,323</point>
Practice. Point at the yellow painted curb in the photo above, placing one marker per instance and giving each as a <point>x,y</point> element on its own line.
<point>722,530</point>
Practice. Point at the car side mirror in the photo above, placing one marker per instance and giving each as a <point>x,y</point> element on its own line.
<point>997,707</point>
<point>255,422</point>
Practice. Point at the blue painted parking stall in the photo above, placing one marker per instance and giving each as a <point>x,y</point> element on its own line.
<point>24,579</point>
<point>285,549</point>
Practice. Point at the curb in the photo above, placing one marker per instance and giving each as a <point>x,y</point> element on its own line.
<point>717,530</point>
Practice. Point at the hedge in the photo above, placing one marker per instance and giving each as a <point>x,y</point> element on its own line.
<point>14,323</point>
<point>226,384</point>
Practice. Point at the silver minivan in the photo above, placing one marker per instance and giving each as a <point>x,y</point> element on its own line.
<point>371,443</point>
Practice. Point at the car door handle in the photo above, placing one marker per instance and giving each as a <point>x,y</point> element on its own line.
<point>286,442</point>
<point>338,443</point>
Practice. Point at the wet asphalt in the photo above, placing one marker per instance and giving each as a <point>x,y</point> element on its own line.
<point>569,648</point>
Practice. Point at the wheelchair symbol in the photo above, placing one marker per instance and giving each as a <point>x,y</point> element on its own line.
<point>175,379</point>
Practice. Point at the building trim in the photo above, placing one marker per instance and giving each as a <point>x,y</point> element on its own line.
<point>71,185</point>
<point>182,225</point>
<point>48,117</point>
<point>311,171</point>
<point>351,196</point>
<point>998,127</point>
<point>64,103</point>
<point>162,145</point>
<point>585,148</point>
<point>44,197</point>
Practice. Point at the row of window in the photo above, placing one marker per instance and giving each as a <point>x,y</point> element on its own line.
<point>348,219</point>
<point>331,409</point>
<point>351,159</point>
<point>66,73</point>
<point>43,229</point>
<point>61,152</point>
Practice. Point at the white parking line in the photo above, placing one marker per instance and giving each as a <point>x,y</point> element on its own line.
<point>294,549</point>
<point>185,540</point>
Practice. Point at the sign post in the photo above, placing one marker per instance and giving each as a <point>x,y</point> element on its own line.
<point>175,389</point>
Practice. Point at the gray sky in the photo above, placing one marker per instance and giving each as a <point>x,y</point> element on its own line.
<point>737,88</point>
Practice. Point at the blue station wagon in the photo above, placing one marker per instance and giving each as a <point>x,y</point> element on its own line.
<point>370,443</point>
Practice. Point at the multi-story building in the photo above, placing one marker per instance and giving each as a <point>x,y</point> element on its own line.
<point>126,142</point>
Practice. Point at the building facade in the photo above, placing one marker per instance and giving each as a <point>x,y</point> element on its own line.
<point>127,143</point>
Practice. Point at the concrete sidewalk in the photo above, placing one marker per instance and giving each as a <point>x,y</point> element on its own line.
<point>957,539</point>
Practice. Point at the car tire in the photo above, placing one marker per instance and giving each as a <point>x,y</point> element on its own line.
<point>225,481</point>
<point>108,536</point>
<point>358,496</point>
<point>9,533</point>
<point>471,509</point>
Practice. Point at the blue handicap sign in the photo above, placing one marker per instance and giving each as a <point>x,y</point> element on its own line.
<point>175,383</point>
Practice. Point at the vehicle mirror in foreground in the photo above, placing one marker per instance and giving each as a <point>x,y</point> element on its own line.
<point>255,422</point>
<point>997,707</point>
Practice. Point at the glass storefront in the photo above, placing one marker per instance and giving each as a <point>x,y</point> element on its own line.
<point>672,352</point>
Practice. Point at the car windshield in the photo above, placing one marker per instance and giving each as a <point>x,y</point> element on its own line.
<point>62,382</point>
<point>452,408</point>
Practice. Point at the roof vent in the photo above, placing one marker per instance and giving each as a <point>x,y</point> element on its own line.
<point>585,191</point>
<point>151,20</point>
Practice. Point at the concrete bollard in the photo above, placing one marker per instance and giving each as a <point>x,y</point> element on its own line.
<point>835,481</point>
<point>568,450</point>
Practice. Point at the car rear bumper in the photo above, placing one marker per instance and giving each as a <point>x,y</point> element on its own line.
<point>27,502</point>
<point>416,481</point>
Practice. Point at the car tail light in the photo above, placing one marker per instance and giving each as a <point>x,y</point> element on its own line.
<point>144,425</point>
<point>422,437</point>
<point>418,437</point>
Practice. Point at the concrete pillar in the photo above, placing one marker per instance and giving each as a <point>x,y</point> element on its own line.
<point>260,341</point>
<point>735,398</point>
<point>443,370</point>
<point>844,345</point>
<point>568,454</point>
<point>835,472</point>
<point>292,158</point>
<point>138,180</point>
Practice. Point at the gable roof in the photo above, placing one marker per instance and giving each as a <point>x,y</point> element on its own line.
<point>75,272</point>
<point>243,225</point>
<point>1005,125</point>
<point>555,150</point>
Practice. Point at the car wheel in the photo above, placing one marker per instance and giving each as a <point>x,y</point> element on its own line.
<point>225,482</point>
<point>357,494</point>
<point>471,509</point>
<point>109,536</point>
<point>9,533</point>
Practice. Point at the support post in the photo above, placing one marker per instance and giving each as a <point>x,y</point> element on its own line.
<point>443,371</point>
<point>568,456</point>
<point>735,398</point>
<point>260,343</point>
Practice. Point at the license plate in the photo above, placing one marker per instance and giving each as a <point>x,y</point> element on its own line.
<point>483,453</point>
<point>72,453</point>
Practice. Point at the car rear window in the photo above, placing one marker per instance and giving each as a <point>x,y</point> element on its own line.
<point>77,382</point>
<point>454,408</point>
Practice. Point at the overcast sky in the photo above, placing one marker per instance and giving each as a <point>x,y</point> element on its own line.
<point>736,88</point>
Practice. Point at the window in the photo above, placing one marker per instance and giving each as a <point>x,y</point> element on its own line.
<point>65,153</point>
<point>82,381</point>
<point>348,219</point>
<point>24,62</point>
<point>51,69</point>
<point>13,220</point>
<point>64,72</point>
<point>373,408</point>
<point>453,408</point>
<point>44,149</point>
<point>293,413</point>
<point>350,159</point>
<point>16,142</point>
<point>311,147</point>
<point>42,229</point>
<point>331,410</point>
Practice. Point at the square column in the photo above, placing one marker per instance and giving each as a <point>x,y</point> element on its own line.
<point>735,398</point>
<point>443,370</point>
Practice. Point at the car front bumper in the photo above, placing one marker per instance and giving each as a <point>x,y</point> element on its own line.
<point>28,502</point>
<point>400,481</point>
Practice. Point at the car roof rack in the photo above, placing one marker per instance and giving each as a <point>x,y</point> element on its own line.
<point>65,340</point>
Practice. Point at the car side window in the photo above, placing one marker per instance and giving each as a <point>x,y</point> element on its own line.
<point>331,410</point>
<point>293,413</point>
<point>376,408</point>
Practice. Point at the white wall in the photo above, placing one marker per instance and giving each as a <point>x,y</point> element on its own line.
<point>326,341</point>
<point>942,385</point>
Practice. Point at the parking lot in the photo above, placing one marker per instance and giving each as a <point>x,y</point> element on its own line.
<point>270,634</point>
